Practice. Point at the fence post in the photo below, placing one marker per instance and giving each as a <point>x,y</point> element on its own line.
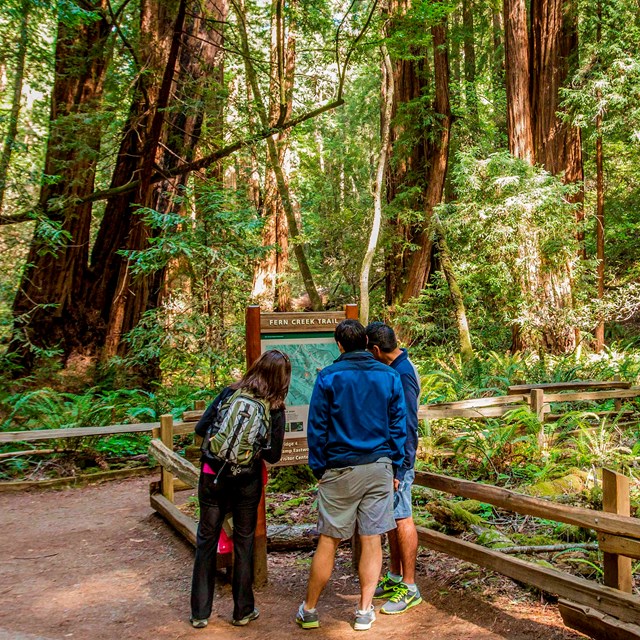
<point>200,405</point>
<point>617,403</point>
<point>616,499</point>
<point>537,406</point>
<point>166,435</point>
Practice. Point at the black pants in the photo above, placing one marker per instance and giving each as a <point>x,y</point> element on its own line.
<point>241,497</point>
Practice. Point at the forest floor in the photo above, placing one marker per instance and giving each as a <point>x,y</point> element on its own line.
<point>97,563</point>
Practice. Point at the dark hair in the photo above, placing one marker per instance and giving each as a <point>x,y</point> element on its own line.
<point>351,335</point>
<point>381,335</point>
<point>268,378</point>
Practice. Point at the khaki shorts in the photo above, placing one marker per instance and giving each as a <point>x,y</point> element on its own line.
<point>362,494</point>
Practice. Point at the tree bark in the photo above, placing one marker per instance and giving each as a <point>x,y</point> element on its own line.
<point>471,96</point>
<point>516,45</point>
<point>438,158</point>
<point>534,78</point>
<point>135,295</point>
<point>16,100</point>
<point>407,164</point>
<point>47,306</point>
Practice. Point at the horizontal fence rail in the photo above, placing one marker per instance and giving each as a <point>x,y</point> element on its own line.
<point>604,612</point>
<point>35,435</point>
<point>529,506</point>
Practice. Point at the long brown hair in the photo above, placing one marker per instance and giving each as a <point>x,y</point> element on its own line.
<point>268,378</point>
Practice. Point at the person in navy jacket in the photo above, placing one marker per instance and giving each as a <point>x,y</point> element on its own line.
<point>398,585</point>
<point>356,435</point>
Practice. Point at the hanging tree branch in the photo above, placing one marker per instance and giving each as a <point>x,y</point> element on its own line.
<point>226,151</point>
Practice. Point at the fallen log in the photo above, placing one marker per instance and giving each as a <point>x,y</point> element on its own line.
<point>550,548</point>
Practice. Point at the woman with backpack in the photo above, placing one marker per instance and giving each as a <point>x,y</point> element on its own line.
<point>243,427</point>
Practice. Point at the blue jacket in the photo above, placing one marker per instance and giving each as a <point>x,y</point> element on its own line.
<point>357,414</point>
<point>411,387</point>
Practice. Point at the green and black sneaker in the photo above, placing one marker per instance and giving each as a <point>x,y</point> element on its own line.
<point>386,587</point>
<point>307,619</point>
<point>402,600</point>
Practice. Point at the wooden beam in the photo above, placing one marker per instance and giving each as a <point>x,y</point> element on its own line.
<point>184,525</point>
<point>566,386</point>
<point>616,603</point>
<point>178,485</point>
<point>166,436</point>
<point>182,428</point>
<point>595,624</point>
<point>252,335</point>
<point>28,452</point>
<point>620,545</point>
<point>527,505</point>
<point>192,416</point>
<point>181,522</point>
<point>591,395</point>
<point>174,463</point>
<point>75,432</point>
<point>616,499</point>
<point>253,349</point>
<point>351,312</point>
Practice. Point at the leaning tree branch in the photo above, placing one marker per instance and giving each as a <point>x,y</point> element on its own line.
<point>25,216</point>
<point>226,151</point>
<point>214,157</point>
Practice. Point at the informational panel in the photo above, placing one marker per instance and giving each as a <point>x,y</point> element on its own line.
<point>309,354</point>
<point>307,338</point>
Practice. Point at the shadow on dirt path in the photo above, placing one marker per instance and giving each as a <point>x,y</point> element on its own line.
<point>97,564</point>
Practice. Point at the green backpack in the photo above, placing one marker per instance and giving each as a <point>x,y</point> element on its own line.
<point>240,431</point>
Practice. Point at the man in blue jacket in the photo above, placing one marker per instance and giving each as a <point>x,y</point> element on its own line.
<point>356,434</point>
<point>398,585</point>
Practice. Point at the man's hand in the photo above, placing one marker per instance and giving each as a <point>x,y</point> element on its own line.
<point>396,484</point>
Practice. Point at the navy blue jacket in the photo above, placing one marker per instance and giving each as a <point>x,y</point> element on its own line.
<point>357,414</point>
<point>411,387</point>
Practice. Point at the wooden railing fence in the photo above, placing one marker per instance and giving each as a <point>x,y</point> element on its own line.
<point>585,605</point>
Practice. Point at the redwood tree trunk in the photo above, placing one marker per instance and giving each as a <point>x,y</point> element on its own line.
<point>438,158</point>
<point>136,294</point>
<point>47,306</point>
<point>516,46</point>
<point>16,100</point>
<point>407,163</point>
<point>109,289</point>
<point>471,96</point>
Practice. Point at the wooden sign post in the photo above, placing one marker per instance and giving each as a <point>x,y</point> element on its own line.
<point>307,338</point>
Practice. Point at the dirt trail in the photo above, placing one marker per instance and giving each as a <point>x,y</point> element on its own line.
<point>97,564</point>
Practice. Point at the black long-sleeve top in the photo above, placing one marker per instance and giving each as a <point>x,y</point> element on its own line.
<point>271,454</point>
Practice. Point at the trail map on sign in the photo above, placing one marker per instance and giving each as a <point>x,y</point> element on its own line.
<point>306,361</point>
<point>308,355</point>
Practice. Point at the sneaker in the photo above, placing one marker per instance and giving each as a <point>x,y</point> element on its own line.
<point>307,619</point>
<point>364,619</point>
<point>402,600</point>
<point>198,623</point>
<point>246,620</point>
<point>386,587</point>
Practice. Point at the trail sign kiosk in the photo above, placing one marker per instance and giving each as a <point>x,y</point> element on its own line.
<point>307,338</point>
